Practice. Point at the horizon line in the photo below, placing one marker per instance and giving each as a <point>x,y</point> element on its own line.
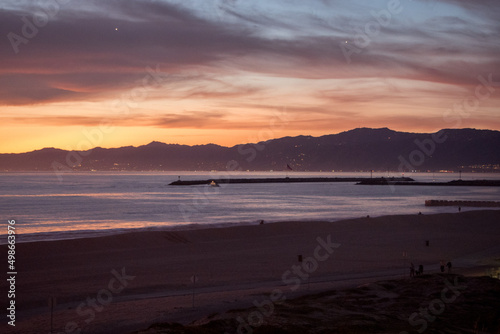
<point>248,143</point>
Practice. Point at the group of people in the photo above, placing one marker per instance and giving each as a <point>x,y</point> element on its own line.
<point>414,273</point>
<point>448,265</point>
<point>420,270</point>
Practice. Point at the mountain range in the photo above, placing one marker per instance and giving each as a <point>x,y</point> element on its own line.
<point>360,149</point>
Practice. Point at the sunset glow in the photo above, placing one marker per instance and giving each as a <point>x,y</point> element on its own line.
<point>117,73</point>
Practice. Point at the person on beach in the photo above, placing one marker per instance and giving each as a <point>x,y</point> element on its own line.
<point>420,269</point>
<point>449,267</point>
<point>441,265</point>
<point>412,270</point>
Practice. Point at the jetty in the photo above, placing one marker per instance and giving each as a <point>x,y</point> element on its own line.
<point>454,183</point>
<point>230,180</point>
<point>477,204</point>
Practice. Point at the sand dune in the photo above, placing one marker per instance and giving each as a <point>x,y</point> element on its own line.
<point>437,303</point>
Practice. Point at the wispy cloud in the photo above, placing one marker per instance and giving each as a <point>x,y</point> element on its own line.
<point>244,53</point>
<point>83,53</point>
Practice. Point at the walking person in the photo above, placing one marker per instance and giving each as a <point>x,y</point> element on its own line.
<point>412,270</point>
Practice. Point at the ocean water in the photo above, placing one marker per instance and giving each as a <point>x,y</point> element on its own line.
<point>89,204</point>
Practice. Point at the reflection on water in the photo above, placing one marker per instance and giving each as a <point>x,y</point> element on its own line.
<point>98,202</point>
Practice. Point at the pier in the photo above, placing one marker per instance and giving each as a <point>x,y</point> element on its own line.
<point>230,180</point>
<point>454,183</point>
<point>477,204</point>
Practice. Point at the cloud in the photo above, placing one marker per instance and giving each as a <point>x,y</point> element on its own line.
<point>187,119</point>
<point>87,53</point>
<point>79,54</point>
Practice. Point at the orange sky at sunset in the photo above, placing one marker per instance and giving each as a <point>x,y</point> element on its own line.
<point>119,73</point>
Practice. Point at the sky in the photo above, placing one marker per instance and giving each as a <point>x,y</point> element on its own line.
<point>110,73</point>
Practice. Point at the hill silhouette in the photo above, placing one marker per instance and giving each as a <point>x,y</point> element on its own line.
<point>355,150</point>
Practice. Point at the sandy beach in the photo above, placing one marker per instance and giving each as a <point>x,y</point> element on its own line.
<point>125,283</point>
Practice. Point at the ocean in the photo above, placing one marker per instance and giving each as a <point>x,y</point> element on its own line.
<point>100,203</point>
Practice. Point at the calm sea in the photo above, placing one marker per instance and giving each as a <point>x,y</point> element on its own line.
<point>88,204</point>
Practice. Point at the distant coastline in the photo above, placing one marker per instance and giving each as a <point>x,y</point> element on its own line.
<point>361,149</point>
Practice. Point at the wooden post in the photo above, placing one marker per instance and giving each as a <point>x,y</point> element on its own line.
<point>405,255</point>
<point>194,279</point>
<point>52,303</point>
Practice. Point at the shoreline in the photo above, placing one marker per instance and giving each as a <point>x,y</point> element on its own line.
<point>87,234</point>
<point>234,266</point>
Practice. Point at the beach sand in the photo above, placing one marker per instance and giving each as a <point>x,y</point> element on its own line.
<point>125,283</point>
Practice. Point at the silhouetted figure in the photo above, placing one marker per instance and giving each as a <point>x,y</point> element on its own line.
<point>459,208</point>
<point>420,269</point>
<point>261,222</point>
<point>441,265</point>
<point>412,270</point>
<point>449,267</point>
